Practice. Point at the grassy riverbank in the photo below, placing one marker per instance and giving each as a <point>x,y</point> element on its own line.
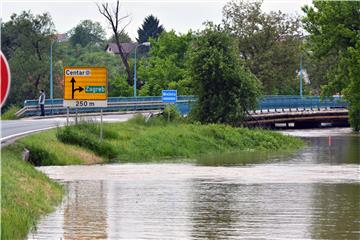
<point>26,194</point>
<point>140,141</point>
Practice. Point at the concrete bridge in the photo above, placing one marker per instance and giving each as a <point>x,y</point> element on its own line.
<point>272,111</point>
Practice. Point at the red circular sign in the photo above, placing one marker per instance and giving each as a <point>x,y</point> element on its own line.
<point>5,78</point>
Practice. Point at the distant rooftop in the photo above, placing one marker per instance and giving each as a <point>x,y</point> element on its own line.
<point>126,48</point>
<point>61,37</point>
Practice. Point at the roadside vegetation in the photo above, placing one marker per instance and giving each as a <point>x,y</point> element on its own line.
<point>26,194</point>
<point>10,113</point>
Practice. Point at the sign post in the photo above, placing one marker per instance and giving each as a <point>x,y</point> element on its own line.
<point>5,79</point>
<point>169,96</point>
<point>85,87</point>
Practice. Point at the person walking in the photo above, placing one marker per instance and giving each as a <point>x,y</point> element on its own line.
<point>42,102</point>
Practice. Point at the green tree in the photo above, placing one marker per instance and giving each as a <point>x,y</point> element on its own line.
<point>225,89</point>
<point>334,29</point>
<point>25,40</point>
<point>95,56</point>
<point>123,38</point>
<point>149,29</point>
<point>87,32</point>
<point>165,67</point>
<point>270,43</point>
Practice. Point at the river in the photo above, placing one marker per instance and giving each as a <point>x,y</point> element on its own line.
<point>312,194</point>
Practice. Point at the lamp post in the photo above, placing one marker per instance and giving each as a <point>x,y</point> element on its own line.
<point>301,76</point>
<point>51,75</point>
<point>142,44</point>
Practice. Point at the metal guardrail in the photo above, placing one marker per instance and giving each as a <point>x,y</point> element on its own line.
<point>309,102</point>
<point>55,107</point>
<point>184,104</point>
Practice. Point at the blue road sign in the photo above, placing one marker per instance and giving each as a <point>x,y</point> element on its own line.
<point>169,96</point>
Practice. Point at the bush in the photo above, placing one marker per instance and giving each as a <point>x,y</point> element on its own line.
<point>76,135</point>
<point>10,113</point>
<point>171,113</point>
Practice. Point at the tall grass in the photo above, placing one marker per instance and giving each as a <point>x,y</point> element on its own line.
<point>153,139</point>
<point>140,140</point>
<point>10,113</point>
<point>26,194</point>
<point>45,149</point>
<point>84,137</point>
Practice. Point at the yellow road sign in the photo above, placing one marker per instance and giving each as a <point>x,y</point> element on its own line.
<point>85,83</point>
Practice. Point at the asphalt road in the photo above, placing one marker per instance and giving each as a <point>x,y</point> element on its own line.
<point>11,129</point>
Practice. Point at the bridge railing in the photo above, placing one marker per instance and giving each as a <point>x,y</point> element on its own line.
<point>59,101</point>
<point>297,102</point>
<point>184,104</point>
<point>55,107</point>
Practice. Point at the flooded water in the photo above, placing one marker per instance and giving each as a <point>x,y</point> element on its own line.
<point>313,194</point>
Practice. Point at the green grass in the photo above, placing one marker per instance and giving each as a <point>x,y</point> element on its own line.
<point>156,140</point>
<point>26,194</point>
<point>45,149</point>
<point>10,113</point>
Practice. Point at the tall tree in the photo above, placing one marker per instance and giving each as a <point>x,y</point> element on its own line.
<point>270,43</point>
<point>334,28</point>
<point>165,67</point>
<point>225,89</point>
<point>116,21</point>
<point>149,29</point>
<point>87,32</point>
<point>25,40</point>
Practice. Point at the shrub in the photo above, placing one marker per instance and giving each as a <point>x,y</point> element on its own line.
<point>171,113</point>
<point>76,135</point>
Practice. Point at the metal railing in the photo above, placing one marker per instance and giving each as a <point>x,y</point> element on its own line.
<point>55,107</point>
<point>184,104</point>
<point>297,102</point>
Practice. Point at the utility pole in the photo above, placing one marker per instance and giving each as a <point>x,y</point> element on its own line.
<point>51,75</point>
<point>301,76</point>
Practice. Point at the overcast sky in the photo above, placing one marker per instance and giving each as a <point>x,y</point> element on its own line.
<point>178,15</point>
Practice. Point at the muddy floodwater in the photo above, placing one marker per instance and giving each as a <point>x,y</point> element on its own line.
<point>312,194</point>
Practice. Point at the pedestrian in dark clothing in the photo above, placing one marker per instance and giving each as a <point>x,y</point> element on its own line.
<point>42,102</point>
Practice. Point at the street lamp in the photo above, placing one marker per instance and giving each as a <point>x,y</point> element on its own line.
<point>301,76</point>
<point>142,44</point>
<point>51,74</point>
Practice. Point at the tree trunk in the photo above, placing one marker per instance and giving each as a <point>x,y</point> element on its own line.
<point>124,61</point>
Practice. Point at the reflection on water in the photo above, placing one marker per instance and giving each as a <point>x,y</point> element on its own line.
<point>89,219</point>
<point>313,194</point>
<point>336,212</point>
